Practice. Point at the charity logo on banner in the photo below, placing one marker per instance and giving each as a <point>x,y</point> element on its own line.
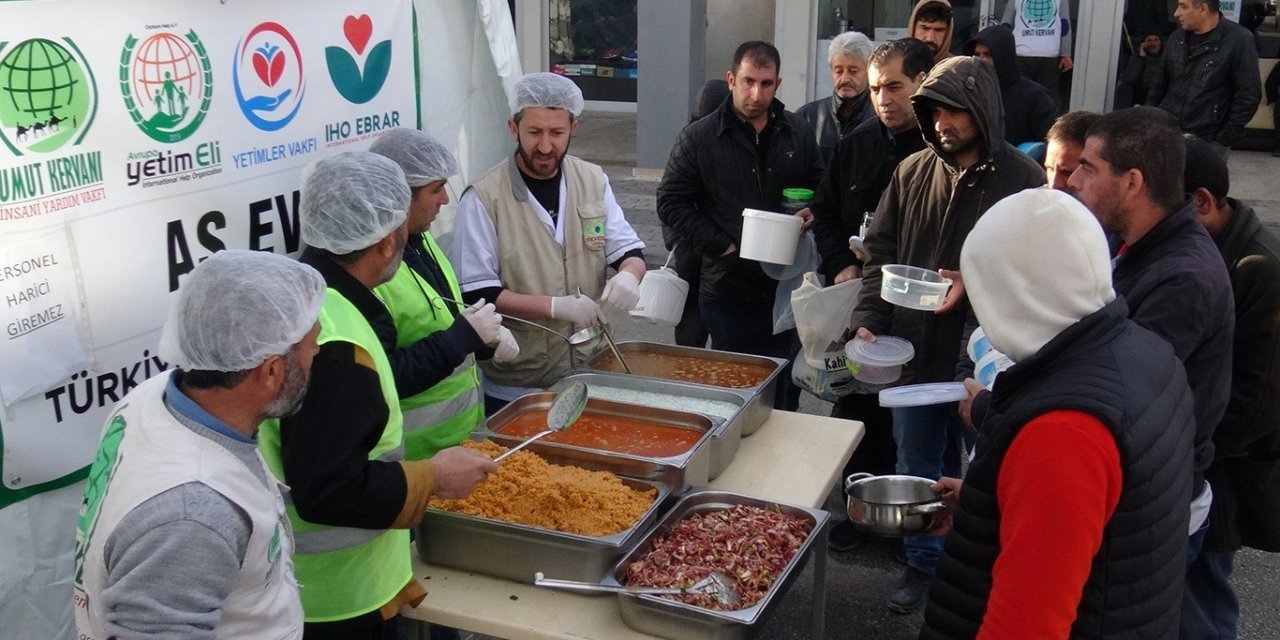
<point>137,143</point>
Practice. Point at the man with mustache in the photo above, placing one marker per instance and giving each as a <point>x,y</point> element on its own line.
<point>182,532</point>
<point>931,22</point>
<point>537,234</point>
<point>835,117</point>
<point>933,200</point>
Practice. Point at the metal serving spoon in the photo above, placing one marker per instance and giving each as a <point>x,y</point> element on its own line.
<point>564,411</point>
<point>717,585</point>
<point>585,335</point>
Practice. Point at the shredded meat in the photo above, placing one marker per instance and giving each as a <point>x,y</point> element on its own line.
<point>749,544</point>
<point>531,491</point>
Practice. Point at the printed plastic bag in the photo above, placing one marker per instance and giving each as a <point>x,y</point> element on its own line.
<point>822,316</point>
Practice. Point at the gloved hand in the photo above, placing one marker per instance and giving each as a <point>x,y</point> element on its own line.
<point>507,349</point>
<point>580,310</point>
<point>484,320</point>
<point>622,291</point>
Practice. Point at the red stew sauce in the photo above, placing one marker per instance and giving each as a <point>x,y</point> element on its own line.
<point>671,366</point>
<point>609,433</point>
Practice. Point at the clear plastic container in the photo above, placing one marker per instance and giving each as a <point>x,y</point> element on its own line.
<point>793,200</point>
<point>913,287</point>
<point>878,362</point>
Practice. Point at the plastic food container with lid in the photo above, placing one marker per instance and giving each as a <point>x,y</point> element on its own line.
<point>769,237</point>
<point>793,200</point>
<point>878,362</point>
<point>913,287</point>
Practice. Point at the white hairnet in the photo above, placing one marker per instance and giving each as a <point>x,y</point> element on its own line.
<point>550,90</point>
<point>423,158</point>
<point>239,308</point>
<point>351,200</point>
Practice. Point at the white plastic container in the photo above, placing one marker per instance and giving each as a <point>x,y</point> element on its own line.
<point>662,296</point>
<point>769,237</point>
<point>913,287</point>
<point>989,366</point>
<point>878,362</point>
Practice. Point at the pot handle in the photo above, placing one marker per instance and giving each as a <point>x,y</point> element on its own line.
<point>848,482</point>
<point>926,508</point>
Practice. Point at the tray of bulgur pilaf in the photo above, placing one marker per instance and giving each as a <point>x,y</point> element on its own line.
<point>532,515</point>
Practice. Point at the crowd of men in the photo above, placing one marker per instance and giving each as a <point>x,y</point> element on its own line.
<point>268,485</point>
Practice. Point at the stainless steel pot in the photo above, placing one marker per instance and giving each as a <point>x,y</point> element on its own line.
<point>891,506</point>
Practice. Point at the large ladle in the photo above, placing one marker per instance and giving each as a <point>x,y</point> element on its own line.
<point>580,337</point>
<point>565,409</point>
<point>717,585</point>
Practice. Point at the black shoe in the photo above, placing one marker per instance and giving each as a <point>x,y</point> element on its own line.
<point>900,553</point>
<point>1275,153</point>
<point>910,592</point>
<point>845,537</point>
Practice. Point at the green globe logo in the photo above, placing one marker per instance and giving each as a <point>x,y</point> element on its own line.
<point>47,96</point>
<point>167,84</point>
<point>1039,14</point>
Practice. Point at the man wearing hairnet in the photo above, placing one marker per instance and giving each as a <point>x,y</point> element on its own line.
<point>432,346</point>
<point>182,533</point>
<point>354,496</point>
<point>537,233</point>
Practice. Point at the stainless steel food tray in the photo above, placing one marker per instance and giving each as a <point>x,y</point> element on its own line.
<point>515,552</point>
<point>760,397</point>
<point>727,431</point>
<point>678,472</point>
<point>679,621</point>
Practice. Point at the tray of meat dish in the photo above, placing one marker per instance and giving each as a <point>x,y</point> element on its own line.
<point>538,514</point>
<point>760,545</point>
<point>756,377</point>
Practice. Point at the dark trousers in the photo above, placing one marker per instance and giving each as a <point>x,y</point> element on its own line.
<point>370,626</point>
<point>1210,608</point>
<point>492,405</point>
<point>1044,72</point>
<point>877,454</point>
<point>747,327</point>
<point>690,332</point>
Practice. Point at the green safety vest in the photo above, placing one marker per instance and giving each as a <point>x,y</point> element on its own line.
<point>345,571</point>
<point>444,415</point>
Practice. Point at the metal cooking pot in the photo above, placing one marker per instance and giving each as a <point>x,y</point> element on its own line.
<point>891,506</point>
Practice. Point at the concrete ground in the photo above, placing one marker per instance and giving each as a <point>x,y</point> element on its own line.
<point>859,581</point>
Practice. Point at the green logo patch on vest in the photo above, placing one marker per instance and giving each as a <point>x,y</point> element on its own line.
<point>593,233</point>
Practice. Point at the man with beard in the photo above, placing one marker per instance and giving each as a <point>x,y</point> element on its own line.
<point>834,118</point>
<point>432,341</point>
<point>933,200</point>
<point>858,173</point>
<point>537,234</point>
<point>182,532</point>
<point>740,157</point>
<point>353,495</point>
<point>1168,269</point>
<point>931,22</point>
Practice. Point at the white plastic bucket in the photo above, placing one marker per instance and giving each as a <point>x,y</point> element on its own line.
<point>769,237</point>
<point>662,296</point>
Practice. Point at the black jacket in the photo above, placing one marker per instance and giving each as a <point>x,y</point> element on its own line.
<point>1214,90</point>
<point>1176,285</point>
<point>716,170</point>
<point>857,175</point>
<point>1246,467</point>
<point>929,208</point>
<point>823,116</point>
<point>1130,380</point>
<point>1029,110</point>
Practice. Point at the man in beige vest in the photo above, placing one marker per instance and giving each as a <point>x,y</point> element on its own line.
<point>537,234</point>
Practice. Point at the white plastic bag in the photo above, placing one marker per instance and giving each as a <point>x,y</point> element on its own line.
<point>789,278</point>
<point>822,316</point>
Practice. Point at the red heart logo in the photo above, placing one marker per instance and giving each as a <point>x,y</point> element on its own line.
<point>277,69</point>
<point>358,31</point>
<point>262,68</point>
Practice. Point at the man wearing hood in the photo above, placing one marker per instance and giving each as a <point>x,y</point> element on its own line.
<point>933,200</point>
<point>835,117</point>
<point>1070,520</point>
<point>931,22</point>
<point>1029,110</point>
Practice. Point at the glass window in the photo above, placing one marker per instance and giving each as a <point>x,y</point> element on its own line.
<point>593,42</point>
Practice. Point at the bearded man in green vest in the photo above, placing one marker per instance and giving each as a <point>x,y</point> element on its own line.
<point>353,497</point>
<point>537,234</point>
<point>433,342</point>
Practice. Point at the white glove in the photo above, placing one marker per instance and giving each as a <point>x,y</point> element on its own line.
<point>484,320</point>
<point>580,310</point>
<point>622,291</point>
<point>507,349</point>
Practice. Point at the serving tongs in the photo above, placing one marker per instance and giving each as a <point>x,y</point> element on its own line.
<point>717,585</point>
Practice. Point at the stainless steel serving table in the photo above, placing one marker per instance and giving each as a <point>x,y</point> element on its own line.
<point>794,458</point>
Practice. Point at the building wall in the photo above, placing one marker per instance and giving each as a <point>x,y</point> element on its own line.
<point>732,22</point>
